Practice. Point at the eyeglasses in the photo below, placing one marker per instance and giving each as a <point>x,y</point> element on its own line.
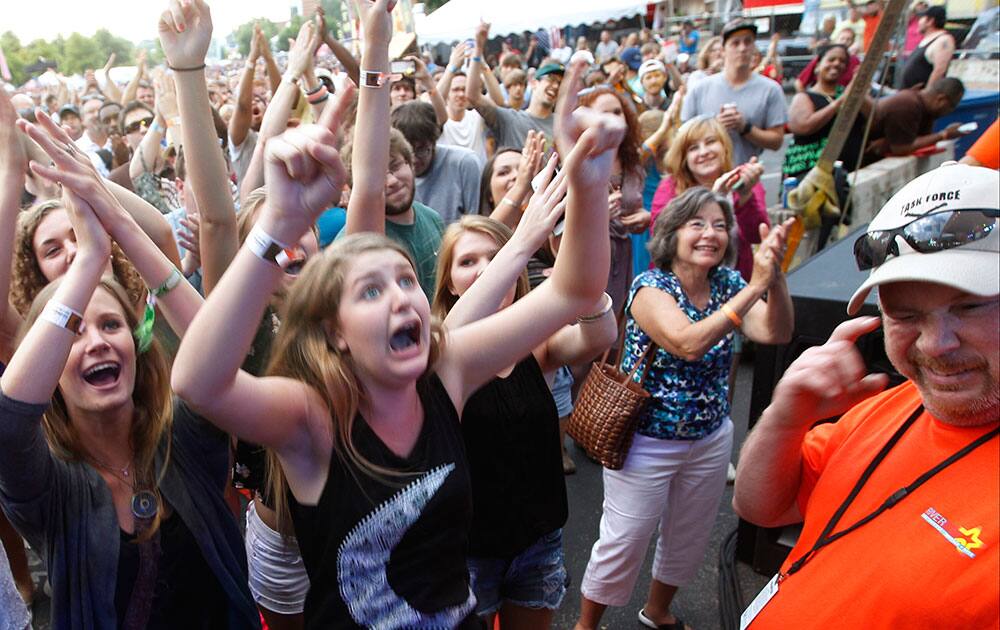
<point>926,234</point>
<point>136,125</point>
<point>423,152</point>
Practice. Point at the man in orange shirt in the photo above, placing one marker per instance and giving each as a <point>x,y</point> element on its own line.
<point>872,15</point>
<point>986,150</point>
<point>901,496</point>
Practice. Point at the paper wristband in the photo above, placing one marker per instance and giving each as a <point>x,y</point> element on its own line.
<point>62,316</point>
<point>264,246</point>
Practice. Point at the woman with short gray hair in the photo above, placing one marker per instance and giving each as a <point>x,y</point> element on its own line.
<point>689,305</point>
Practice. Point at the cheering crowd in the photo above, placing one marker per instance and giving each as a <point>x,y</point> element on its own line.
<point>293,347</point>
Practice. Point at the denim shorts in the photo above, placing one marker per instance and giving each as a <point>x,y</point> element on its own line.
<point>535,578</point>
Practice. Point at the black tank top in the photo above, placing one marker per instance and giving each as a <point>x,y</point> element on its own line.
<point>390,553</point>
<point>511,431</point>
<point>804,151</point>
<point>918,69</point>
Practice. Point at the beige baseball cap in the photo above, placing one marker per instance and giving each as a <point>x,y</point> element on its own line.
<point>973,267</point>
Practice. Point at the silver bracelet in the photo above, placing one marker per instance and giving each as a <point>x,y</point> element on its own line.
<point>593,317</point>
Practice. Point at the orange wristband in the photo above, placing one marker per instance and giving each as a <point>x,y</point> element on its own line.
<point>732,315</point>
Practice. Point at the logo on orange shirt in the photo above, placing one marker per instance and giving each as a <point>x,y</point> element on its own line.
<point>965,539</point>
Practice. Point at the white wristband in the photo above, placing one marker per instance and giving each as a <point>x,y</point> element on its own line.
<point>264,246</point>
<point>62,316</point>
<point>373,79</point>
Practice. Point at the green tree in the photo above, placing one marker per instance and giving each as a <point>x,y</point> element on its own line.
<point>431,5</point>
<point>290,31</point>
<point>335,16</point>
<point>81,53</point>
<point>71,55</point>
<point>240,38</point>
<point>108,44</point>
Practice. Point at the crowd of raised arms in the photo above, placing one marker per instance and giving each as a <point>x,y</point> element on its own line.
<point>299,352</point>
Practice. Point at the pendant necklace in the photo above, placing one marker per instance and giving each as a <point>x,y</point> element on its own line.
<point>144,504</point>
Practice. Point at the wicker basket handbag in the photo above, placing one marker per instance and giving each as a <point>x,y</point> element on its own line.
<point>607,410</point>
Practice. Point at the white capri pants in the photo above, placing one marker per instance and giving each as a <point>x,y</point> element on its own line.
<point>278,580</point>
<point>674,483</point>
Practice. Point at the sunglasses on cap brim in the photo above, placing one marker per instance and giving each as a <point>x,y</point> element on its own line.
<point>927,234</point>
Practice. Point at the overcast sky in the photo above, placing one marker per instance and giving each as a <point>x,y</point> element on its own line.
<point>132,19</point>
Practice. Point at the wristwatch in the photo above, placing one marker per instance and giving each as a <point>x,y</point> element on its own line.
<point>746,128</point>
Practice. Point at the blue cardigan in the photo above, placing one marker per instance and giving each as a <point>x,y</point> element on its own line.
<point>65,510</point>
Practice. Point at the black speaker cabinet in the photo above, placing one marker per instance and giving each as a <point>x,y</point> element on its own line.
<point>820,289</point>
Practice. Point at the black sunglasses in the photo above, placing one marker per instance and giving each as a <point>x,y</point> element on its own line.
<point>136,125</point>
<point>926,234</point>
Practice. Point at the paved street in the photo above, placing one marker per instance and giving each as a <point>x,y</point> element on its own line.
<point>697,604</point>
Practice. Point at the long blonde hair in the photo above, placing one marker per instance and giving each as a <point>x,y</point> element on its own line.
<point>28,278</point>
<point>303,351</point>
<point>151,398</point>
<point>444,299</point>
<point>690,132</point>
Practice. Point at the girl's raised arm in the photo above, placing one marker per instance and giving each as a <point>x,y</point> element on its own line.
<point>587,140</point>
<point>178,300</point>
<point>304,172</point>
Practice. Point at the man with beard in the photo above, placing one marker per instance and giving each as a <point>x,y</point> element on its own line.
<point>900,495</point>
<point>95,137</point>
<point>69,117</point>
<point>408,222</point>
<point>511,126</point>
<point>929,61</point>
<point>751,107</point>
<point>447,177</point>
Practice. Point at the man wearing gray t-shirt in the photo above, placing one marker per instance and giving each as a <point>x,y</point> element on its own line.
<point>447,178</point>
<point>509,126</point>
<point>749,105</point>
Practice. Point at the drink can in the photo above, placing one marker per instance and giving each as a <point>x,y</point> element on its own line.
<point>787,186</point>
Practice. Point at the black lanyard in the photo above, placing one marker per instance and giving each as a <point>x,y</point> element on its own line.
<point>825,538</point>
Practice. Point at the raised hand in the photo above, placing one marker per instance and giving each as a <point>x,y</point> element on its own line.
<point>544,209</point>
<point>189,238</point>
<point>300,53</point>
<point>92,240</point>
<point>531,160</point>
<point>828,380</point>
<point>304,171</point>
<point>420,73</point>
<point>166,99</point>
<point>578,128</point>
<point>482,34</point>
<point>376,21</point>
<point>12,156</point>
<point>256,44</point>
<point>770,254</point>
<point>750,173</point>
<point>458,54</point>
<point>185,30</point>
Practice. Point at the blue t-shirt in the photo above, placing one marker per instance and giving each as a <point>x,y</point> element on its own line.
<point>688,399</point>
<point>693,48</point>
<point>329,224</point>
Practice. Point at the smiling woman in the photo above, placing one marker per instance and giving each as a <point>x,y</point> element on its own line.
<point>689,306</point>
<point>118,487</point>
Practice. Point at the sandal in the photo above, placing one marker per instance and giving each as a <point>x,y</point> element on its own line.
<point>678,623</point>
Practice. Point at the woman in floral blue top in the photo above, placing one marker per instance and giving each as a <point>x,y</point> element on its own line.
<point>675,473</point>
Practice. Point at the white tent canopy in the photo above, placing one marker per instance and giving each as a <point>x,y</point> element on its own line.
<point>457,20</point>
